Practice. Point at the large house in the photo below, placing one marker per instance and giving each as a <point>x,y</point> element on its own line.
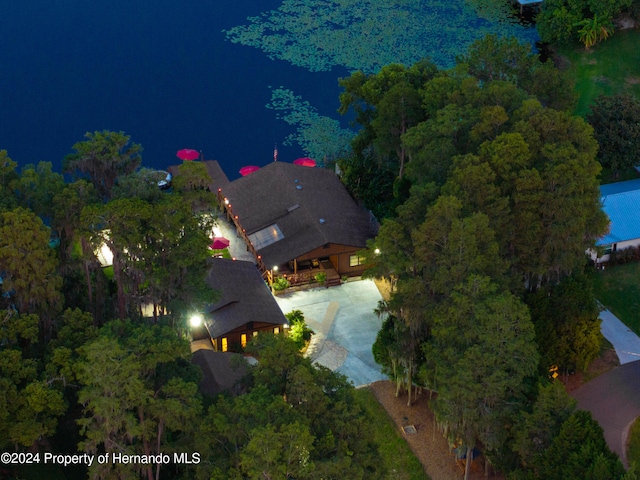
<point>294,218</point>
<point>246,305</point>
<point>621,203</point>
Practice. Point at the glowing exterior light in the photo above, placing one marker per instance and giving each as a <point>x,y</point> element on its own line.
<point>105,255</point>
<point>195,320</point>
<point>226,201</point>
<point>377,251</point>
<point>275,268</point>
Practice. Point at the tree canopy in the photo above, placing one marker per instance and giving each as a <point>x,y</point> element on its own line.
<point>54,361</point>
<point>103,157</point>
<point>298,420</point>
<point>616,124</point>
<point>566,22</point>
<point>139,395</point>
<point>500,202</point>
<point>415,120</point>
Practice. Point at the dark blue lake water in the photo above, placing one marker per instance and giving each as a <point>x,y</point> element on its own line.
<point>161,71</point>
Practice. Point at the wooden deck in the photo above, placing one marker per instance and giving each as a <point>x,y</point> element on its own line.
<point>307,276</point>
<point>333,278</point>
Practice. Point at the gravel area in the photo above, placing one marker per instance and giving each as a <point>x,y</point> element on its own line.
<point>428,444</point>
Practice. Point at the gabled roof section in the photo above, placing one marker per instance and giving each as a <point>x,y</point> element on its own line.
<point>218,177</point>
<point>623,210</point>
<point>222,371</point>
<point>244,297</point>
<point>310,206</point>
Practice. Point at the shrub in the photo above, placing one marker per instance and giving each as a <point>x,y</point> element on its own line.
<point>626,255</point>
<point>299,332</point>
<point>280,284</point>
<point>320,277</point>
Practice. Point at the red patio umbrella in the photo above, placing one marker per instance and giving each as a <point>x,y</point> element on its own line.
<point>187,154</point>
<point>305,162</point>
<point>219,243</point>
<point>244,171</point>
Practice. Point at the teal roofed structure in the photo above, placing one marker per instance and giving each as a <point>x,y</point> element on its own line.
<point>623,210</point>
<point>621,203</point>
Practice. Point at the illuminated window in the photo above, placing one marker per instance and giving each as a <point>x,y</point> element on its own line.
<point>355,260</point>
<point>276,330</point>
<point>225,346</point>
<point>243,340</point>
<point>266,236</point>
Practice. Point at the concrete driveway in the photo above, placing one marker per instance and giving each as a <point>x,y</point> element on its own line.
<point>623,339</point>
<point>345,327</point>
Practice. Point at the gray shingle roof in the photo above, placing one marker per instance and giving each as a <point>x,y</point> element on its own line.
<point>245,297</point>
<point>218,177</point>
<point>310,205</point>
<point>221,371</point>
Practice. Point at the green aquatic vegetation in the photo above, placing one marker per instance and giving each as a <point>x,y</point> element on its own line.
<point>322,138</point>
<point>364,35</point>
<point>367,34</point>
<point>494,10</point>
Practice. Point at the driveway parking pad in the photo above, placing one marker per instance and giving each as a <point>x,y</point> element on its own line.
<point>344,316</point>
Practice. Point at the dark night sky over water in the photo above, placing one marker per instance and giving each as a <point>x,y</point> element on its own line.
<point>161,71</point>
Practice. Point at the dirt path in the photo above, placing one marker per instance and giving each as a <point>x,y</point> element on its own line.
<point>427,443</point>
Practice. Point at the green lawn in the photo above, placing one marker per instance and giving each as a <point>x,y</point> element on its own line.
<point>108,271</point>
<point>618,289</point>
<point>400,462</point>
<point>611,67</point>
<point>224,252</point>
<point>633,450</point>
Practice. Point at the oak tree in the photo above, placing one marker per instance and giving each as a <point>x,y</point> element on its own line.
<point>102,158</point>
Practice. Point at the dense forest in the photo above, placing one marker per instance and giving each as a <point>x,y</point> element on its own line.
<point>490,201</point>
<point>84,371</point>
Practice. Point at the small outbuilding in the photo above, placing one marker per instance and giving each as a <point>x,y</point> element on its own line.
<point>246,306</point>
<point>222,371</point>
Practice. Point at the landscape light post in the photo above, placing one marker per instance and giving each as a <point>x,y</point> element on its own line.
<point>274,271</point>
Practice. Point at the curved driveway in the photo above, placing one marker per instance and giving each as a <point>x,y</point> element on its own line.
<point>613,398</point>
